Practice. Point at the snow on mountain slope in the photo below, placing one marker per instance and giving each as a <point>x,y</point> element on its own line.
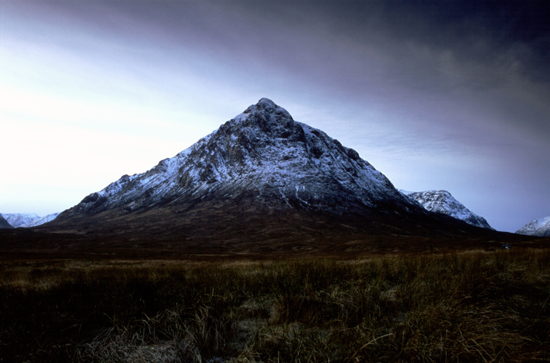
<point>538,227</point>
<point>27,219</point>
<point>45,219</point>
<point>441,201</point>
<point>263,154</point>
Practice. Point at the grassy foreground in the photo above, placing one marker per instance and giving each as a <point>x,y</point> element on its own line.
<point>467,307</point>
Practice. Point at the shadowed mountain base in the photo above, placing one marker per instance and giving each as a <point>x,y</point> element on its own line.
<point>252,234</point>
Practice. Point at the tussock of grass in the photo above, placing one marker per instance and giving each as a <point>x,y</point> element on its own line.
<point>486,307</point>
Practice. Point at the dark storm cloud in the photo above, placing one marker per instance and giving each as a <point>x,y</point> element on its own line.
<point>512,36</point>
<point>337,40</point>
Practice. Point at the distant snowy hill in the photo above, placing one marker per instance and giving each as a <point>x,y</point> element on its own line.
<point>538,227</point>
<point>441,201</point>
<point>27,219</point>
<point>4,223</point>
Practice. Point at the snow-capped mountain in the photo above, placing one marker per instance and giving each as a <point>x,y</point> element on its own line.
<point>263,153</point>
<point>538,227</point>
<point>441,201</point>
<point>28,219</point>
<point>262,176</point>
<point>4,223</point>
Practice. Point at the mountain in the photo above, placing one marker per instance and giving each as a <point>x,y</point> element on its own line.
<point>261,182</point>
<point>4,223</point>
<point>263,154</point>
<point>28,219</point>
<point>538,227</point>
<point>441,201</point>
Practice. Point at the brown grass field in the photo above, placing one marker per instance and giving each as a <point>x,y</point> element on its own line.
<point>474,306</point>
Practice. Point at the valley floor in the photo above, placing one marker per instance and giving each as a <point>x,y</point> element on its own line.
<point>460,307</point>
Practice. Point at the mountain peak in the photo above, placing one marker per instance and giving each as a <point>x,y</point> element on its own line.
<point>265,105</point>
<point>441,201</point>
<point>266,102</point>
<point>268,117</point>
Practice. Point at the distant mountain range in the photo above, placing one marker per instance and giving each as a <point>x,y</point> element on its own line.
<point>27,219</point>
<point>538,227</point>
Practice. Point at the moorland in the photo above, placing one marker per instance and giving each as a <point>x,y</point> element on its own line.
<point>456,306</point>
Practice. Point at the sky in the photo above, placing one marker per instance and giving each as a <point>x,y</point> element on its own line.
<point>437,95</point>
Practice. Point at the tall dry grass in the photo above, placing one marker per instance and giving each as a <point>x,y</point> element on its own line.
<point>469,307</point>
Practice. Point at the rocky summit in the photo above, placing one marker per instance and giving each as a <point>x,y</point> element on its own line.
<point>261,177</point>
